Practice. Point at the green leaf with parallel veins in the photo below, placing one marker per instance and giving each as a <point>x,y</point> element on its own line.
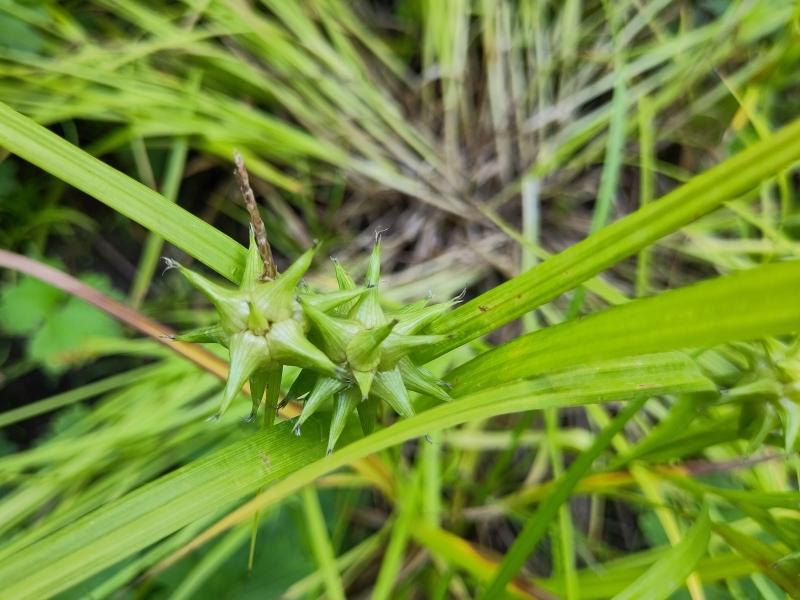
<point>745,305</point>
<point>565,270</point>
<point>154,511</point>
<point>671,570</point>
<point>45,149</point>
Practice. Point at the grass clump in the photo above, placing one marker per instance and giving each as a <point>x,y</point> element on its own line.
<point>611,413</point>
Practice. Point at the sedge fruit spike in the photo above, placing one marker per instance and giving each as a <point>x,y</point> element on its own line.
<point>356,358</point>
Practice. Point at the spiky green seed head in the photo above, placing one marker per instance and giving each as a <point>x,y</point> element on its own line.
<point>354,355</point>
<point>372,347</point>
<point>262,324</point>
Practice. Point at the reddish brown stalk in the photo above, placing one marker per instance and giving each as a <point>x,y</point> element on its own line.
<point>125,314</point>
<point>259,231</point>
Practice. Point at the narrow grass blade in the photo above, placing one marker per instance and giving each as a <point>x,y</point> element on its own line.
<point>763,556</point>
<point>612,164</point>
<point>78,394</point>
<point>670,571</point>
<point>647,149</point>
<point>745,305</point>
<point>321,543</point>
<point>562,531</point>
<point>362,554</point>
<point>462,554</point>
<point>40,146</point>
<point>536,527</point>
<point>610,381</point>
<point>152,512</point>
<point>148,261</point>
<point>191,585</point>
<point>619,240</point>
<point>398,538</point>
<point>121,528</point>
<point>618,574</point>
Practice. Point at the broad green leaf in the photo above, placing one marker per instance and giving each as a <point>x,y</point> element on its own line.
<point>671,570</point>
<point>55,345</point>
<point>745,305</point>
<point>40,146</point>
<point>121,528</point>
<point>25,304</point>
<point>619,240</point>
<point>56,324</point>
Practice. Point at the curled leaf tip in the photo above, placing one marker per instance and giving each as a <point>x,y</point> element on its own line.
<point>380,230</point>
<point>169,263</point>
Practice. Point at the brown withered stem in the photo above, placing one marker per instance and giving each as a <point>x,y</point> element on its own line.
<point>260,232</point>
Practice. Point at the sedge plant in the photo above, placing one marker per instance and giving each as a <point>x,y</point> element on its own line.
<point>361,354</point>
<point>614,417</point>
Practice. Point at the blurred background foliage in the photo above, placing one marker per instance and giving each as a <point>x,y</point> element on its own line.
<point>484,135</point>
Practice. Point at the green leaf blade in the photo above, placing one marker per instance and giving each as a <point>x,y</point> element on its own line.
<point>671,570</point>
<point>276,458</point>
<point>621,239</point>
<point>536,527</point>
<point>45,149</point>
<point>155,511</point>
<point>745,305</point>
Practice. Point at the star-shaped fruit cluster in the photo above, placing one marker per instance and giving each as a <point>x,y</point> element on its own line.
<point>351,349</point>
